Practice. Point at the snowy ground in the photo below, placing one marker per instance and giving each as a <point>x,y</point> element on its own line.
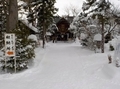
<point>65,66</point>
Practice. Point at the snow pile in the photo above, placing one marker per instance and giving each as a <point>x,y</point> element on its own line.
<point>97,37</point>
<point>33,38</point>
<point>108,71</point>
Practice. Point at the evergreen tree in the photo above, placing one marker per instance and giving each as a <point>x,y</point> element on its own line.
<point>24,50</point>
<point>3,18</point>
<point>85,29</point>
<point>98,9</point>
<point>42,11</point>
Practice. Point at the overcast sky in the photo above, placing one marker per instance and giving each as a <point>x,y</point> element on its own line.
<point>62,4</point>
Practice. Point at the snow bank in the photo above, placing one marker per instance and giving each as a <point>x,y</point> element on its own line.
<point>109,71</point>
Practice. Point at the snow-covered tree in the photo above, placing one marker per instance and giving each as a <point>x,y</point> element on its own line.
<point>24,51</point>
<point>98,9</point>
<point>92,20</point>
<point>3,6</point>
<point>3,19</point>
<point>85,29</point>
<point>42,11</point>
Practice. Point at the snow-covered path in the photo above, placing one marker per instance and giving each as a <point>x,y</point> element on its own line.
<point>65,66</point>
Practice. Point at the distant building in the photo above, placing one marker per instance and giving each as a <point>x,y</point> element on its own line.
<point>68,18</point>
<point>63,24</point>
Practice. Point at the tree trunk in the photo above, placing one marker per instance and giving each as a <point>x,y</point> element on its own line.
<point>43,2</point>
<point>12,18</point>
<point>102,32</point>
<point>43,34</point>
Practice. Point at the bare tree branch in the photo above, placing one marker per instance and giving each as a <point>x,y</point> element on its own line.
<point>72,10</point>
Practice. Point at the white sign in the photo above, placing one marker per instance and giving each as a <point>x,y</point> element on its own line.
<point>9,44</point>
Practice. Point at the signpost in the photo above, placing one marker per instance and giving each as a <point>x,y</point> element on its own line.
<point>10,47</point>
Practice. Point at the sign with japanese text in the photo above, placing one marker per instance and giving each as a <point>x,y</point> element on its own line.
<point>9,44</point>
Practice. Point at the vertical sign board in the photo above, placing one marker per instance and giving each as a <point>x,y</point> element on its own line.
<point>9,45</point>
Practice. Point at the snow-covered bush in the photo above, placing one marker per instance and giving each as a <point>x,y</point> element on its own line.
<point>34,40</point>
<point>3,20</point>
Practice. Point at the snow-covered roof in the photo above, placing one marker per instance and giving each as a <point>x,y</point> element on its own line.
<point>29,25</point>
<point>22,16</point>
